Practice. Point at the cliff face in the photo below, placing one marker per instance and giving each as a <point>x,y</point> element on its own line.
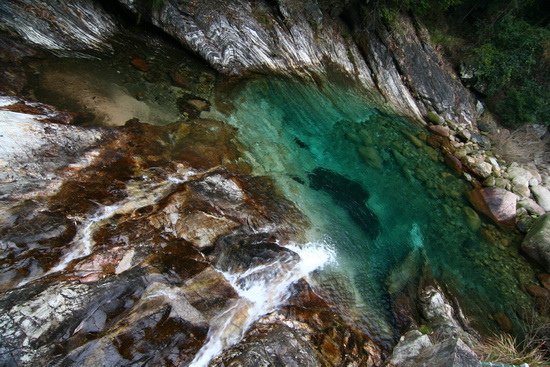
<point>396,64</point>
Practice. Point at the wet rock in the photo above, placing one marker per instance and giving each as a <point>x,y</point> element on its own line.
<point>473,220</point>
<point>496,203</point>
<point>542,195</point>
<point>536,243</point>
<point>538,292</point>
<point>379,58</point>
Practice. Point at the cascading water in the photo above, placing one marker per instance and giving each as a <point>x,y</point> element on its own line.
<point>261,290</point>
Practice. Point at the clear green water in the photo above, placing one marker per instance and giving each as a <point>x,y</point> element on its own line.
<point>292,128</point>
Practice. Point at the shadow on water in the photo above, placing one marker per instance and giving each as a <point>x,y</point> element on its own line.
<point>349,195</point>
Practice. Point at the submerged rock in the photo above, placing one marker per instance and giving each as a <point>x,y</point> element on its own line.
<point>348,194</point>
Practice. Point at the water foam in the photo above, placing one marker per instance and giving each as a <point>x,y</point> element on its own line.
<point>261,290</point>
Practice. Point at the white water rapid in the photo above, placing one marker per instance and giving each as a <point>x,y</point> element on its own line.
<point>261,290</point>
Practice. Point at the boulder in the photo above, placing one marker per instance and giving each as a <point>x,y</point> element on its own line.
<point>496,203</point>
<point>409,347</point>
<point>449,353</point>
<point>537,242</point>
<point>542,195</point>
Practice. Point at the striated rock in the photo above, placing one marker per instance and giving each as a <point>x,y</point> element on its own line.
<point>409,347</point>
<point>536,243</point>
<point>76,25</point>
<point>496,203</point>
<point>37,143</point>
<point>298,37</point>
<point>542,195</point>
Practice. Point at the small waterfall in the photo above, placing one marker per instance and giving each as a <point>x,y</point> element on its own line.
<point>83,240</point>
<point>261,290</point>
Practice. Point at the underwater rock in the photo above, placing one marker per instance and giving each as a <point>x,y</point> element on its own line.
<point>472,218</point>
<point>348,194</point>
<point>536,243</point>
<point>496,203</point>
<point>371,157</point>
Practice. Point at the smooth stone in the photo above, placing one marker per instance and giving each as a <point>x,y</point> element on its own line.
<point>531,206</point>
<point>440,130</point>
<point>483,169</point>
<point>542,195</point>
<point>537,242</point>
<point>498,204</point>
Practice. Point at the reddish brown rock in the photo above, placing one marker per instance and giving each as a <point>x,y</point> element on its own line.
<point>537,291</point>
<point>504,322</point>
<point>544,279</point>
<point>140,64</point>
<point>496,203</point>
<point>440,130</point>
<point>454,163</point>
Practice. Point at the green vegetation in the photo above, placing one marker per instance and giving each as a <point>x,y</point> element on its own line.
<point>508,49</point>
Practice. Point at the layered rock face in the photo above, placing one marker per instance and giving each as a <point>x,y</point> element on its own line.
<point>74,25</point>
<point>396,65</point>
